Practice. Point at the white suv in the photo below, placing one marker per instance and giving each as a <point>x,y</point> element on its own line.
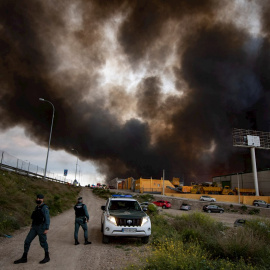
<point>123,216</point>
<point>207,198</point>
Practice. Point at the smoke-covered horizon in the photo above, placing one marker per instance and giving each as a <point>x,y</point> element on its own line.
<point>138,86</point>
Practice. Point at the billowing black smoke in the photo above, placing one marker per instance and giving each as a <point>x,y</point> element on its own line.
<point>221,81</point>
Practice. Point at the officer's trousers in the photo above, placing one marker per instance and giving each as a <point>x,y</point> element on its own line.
<point>80,222</point>
<point>34,231</point>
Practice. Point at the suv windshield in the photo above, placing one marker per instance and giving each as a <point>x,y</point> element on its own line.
<point>124,205</point>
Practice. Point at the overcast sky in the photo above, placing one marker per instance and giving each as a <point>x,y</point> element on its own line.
<point>15,143</point>
<point>138,86</point>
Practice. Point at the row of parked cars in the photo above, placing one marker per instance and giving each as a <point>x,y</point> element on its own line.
<point>186,207</point>
<point>207,208</point>
<point>257,203</point>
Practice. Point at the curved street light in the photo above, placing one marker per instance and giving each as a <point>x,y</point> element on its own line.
<point>76,162</point>
<point>42,99</point>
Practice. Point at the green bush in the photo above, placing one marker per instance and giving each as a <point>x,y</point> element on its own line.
<point>152,209</point>
<point>243,208</point>
<point>8,223</point>
<point>254,211</point>
<point>162,230</point>
<point>191,235</point>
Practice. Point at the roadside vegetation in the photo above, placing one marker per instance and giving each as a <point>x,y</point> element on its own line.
<point>18,194</point>
<point>196,241</point>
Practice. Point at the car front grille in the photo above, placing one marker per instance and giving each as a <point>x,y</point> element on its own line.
<point>129,222</point>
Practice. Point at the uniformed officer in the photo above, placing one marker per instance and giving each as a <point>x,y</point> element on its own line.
<point>81,219</point>
<point>40,226</point>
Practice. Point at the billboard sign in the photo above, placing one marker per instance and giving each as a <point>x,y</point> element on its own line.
<point>253,140</point>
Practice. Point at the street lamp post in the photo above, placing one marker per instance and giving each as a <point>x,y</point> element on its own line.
<point>42,99</point>
<point>76,162</point>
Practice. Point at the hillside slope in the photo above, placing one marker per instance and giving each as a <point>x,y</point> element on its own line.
<point>18,194</point>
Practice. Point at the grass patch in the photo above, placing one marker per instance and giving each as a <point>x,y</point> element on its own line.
<point>144,198</point>
<point>18,195</point>
<point>103,193</point>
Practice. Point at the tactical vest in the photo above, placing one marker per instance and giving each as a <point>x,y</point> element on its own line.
<point>38,216</point>
<point>79,210</point>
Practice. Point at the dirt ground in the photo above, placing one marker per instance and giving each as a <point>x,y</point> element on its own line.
<point>66,256</point>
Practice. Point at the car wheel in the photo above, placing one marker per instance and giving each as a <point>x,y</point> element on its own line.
<point>145,239</point>
<point>212,200</point>
<point>208,211</point>
<point>105,239</point>
<point>163,206</point>
<point>221,211</point>
<point>256,204</point>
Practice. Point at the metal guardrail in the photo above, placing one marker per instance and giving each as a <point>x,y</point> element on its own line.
<point>11,163</point>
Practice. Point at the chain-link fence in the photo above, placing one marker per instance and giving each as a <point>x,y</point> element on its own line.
<point>9,162</point>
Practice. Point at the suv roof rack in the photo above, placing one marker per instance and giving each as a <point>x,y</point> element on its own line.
<point>121,196</point>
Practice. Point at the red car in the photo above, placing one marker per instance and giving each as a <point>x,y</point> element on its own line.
<point>163,204</point>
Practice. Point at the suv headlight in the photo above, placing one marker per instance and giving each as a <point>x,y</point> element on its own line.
<point>112,220</point>
<point>144,220</point>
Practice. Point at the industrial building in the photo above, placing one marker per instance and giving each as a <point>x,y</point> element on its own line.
<point>246,180</point>
<point>142,185</point>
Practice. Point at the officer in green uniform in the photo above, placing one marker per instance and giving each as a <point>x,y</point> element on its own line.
<point>81,219</point>
<point>40,226</point>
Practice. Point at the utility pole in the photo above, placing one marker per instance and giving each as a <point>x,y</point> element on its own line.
<point>163,180</point>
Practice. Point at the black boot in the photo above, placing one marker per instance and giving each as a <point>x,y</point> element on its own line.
<point>76,242</point>
<point>23,259</point>
<point>86,242</point>
<point>46,259</point>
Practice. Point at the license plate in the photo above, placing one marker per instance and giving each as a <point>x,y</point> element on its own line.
<point>128,230</point>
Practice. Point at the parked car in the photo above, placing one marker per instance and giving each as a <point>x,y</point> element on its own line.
<point>261,203</point>
<point>185,207</point>
<point>207,198</point>
<point>163,204</point>
<point>239,222</point>
<point>144,205</point>
<point>213,208</point>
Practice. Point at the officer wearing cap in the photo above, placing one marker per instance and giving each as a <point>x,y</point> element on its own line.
<point>40,226</point>
<point>81,219</point>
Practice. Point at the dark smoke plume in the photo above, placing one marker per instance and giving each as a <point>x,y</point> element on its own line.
<point>219,71</point>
